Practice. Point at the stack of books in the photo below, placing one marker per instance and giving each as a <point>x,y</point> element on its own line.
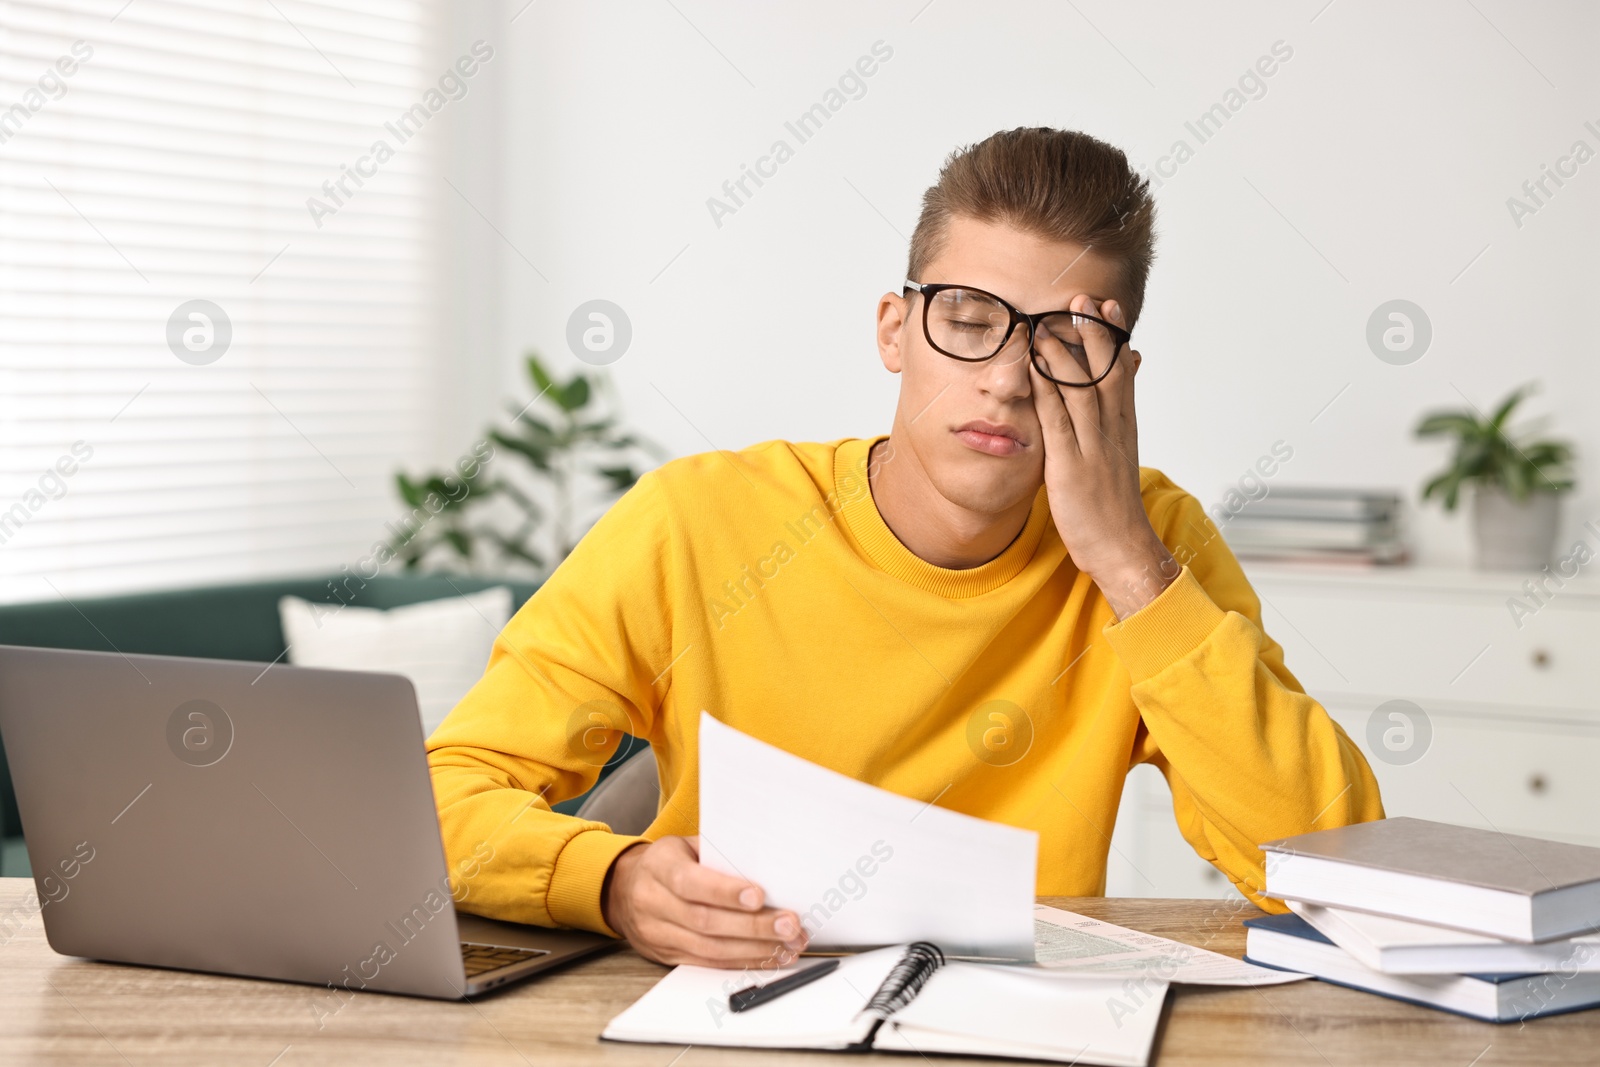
<point>1495,926</point>
<point>1315,525</point>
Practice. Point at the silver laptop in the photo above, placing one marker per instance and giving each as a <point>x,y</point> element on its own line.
<point>214,816</point>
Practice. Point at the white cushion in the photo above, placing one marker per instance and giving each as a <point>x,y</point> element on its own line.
<point>441,645</point>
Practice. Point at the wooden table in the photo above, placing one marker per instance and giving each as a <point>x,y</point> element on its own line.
<point>59,1010</point>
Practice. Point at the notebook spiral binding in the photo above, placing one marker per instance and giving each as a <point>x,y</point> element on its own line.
<point>906,980</point>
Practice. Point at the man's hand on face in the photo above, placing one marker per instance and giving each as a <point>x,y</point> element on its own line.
<point>1091,469</point>
<point>673,910</point>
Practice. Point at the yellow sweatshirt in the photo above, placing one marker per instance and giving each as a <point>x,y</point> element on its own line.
<point>763,586</point>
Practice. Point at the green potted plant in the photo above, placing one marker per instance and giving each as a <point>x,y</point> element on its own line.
<point>526,516</point>
<point>1516,480</point>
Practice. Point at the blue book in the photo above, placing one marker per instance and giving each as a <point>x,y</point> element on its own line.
<point>1289,943</point>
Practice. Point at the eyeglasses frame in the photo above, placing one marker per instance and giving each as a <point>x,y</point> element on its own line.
<point>932,289</point>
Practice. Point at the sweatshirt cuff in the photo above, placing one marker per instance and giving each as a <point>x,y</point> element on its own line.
<point>1165,630</point>
<point>579,875</point>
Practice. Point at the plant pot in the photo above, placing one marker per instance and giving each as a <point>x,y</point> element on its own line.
<point>1514,535</point>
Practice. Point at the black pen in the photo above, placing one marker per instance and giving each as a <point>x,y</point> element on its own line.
<point>756,995</point>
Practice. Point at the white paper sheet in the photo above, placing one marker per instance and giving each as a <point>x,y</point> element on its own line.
<point>1067,941</point>
<point>862,866</point>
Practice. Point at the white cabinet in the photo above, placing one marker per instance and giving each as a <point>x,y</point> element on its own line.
<point>1149,857</point>
<point>1468,711</point>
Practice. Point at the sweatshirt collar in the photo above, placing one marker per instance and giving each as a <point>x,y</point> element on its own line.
<point>873,539</point>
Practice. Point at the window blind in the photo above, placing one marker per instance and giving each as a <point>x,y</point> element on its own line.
<point>203,377</point>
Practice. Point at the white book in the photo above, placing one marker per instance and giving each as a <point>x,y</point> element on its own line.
<point>1290,942</point>
<point>1482,881</point>
<point>1333,505</point>
<point>1250,530</point>
<point>1399,946</point>
<point>887,999</point>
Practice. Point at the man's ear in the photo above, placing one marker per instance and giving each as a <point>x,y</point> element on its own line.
<point>892,311</point>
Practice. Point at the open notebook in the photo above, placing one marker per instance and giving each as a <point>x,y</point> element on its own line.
<point>909,999</point>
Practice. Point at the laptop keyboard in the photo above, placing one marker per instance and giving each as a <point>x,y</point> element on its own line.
<point>480,959</point>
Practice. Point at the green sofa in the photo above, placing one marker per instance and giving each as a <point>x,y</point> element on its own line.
<point>216,622</point>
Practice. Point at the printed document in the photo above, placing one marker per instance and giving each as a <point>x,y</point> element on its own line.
<point>861,866</point>
<point>1067,941</point>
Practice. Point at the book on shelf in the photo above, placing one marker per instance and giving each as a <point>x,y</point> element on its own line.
<point>1315,525</point>
<point>1248,529</point>
<point>1311,503</point>
<point>1378,556</point>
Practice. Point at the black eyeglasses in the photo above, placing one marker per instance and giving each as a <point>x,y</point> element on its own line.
<point>971,325</point>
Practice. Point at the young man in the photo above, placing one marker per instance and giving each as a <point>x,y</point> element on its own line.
<point>995,575</point>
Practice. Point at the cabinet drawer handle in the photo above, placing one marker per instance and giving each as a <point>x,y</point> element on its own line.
<point>1537,784</point>
<point>1541,658</point>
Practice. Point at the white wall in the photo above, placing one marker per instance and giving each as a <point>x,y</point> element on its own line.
<point>1376,165</point>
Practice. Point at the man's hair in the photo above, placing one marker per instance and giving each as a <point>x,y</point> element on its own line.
<point>1058,184</point>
